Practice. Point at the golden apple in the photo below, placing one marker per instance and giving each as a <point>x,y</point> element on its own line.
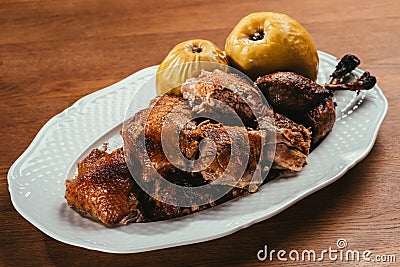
<point>266,42</point>
<point>186,60</point>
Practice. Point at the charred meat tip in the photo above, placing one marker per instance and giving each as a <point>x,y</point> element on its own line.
<point>367,80</point>
<point>346,65</point>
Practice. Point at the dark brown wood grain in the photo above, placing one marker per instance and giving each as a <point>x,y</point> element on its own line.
<point>52,53</point>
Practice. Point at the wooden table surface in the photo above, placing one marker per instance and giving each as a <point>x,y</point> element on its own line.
<point>52,53</point>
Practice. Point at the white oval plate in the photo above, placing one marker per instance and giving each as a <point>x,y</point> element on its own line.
<point>36,179</point>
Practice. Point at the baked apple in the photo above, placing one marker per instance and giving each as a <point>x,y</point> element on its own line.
<point>186,60</point>
<point>266,42</point>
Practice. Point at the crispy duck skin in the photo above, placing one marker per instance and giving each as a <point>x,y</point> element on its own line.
<point>320,119</point>
<point>290,93</point>
<point>103,189</point>
<point>190,137</point>
<point>87,163</point>
<point>229,139</point>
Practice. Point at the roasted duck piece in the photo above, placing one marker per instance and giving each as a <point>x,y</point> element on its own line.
<point>292,139</point>
<point>213,93</point>
<point>105,188</point>
<point>307,102</point>
<point>300,99</point>
<point>293,143</point>
<point>142,136</point>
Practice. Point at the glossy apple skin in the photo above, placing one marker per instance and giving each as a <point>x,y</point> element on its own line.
<point>186,60</point>
<point>266,42</point>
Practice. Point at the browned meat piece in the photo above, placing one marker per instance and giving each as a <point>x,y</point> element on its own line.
<point>210,88</point>
<point>148,125</point>
<point>232,169</point>
<point>321,120</point>
<point>302,100</point>
<point>292,144</point>
<point>103,189</point>
<point>309,103</point>
<point>165,116</point>
<point>290,93</point>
